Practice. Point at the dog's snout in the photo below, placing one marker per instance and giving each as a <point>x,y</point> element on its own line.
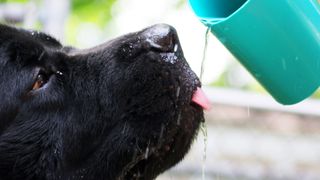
<point>161,37</point>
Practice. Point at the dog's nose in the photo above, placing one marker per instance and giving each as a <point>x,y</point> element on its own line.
<point>161,37</point>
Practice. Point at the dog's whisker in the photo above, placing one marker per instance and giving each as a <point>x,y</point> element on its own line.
<point>178,92</point>
<point>161,134</point>
<point>41,56</point>
<point>179,118</point>
<point>124,129</point>
<point>146,155</point>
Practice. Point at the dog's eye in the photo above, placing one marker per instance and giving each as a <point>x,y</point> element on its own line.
<point>41,80</point>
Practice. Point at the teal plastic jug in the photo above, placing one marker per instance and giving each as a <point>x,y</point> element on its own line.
<point>277,41</point>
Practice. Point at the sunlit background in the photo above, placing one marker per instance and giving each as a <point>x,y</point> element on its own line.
<point>250,136</point>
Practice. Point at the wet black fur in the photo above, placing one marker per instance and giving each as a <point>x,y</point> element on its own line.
<point>117,111</point>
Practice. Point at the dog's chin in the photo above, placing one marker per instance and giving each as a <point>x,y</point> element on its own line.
<point>175,139</point>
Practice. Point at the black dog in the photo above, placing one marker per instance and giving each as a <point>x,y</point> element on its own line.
<point>121,110</point>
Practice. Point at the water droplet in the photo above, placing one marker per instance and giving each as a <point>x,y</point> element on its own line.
<point>223,39</point>
<point>169,57</point>
<point>211,21</point>
<point>147,153</point>
<point>175,49</point>
<point>284,64</point>
<point>179,119</point>
<point>178,92</point>
<point>257,75</point>
<point>124,128</point>
<point>161,131</point>
<point>41,56</point>
<point>59,72</point>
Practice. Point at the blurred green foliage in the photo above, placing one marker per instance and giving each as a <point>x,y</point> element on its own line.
<point>222,81</point>
<point>16,1</point>
<point>316,95</point>
<point>95,11</point>
<point>180,3</point>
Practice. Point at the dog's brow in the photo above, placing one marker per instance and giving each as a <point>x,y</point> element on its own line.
<point>46,39</point>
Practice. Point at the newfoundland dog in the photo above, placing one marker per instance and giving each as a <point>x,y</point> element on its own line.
<point>126,109</point>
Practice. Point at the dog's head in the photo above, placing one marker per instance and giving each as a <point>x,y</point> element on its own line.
<point>121,110</point>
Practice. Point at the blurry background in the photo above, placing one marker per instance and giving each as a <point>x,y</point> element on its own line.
<point>250,136</point>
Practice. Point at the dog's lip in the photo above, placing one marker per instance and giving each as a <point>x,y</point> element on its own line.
<point>200,98</point>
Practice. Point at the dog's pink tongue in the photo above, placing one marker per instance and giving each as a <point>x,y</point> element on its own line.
<point>200,98</point>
